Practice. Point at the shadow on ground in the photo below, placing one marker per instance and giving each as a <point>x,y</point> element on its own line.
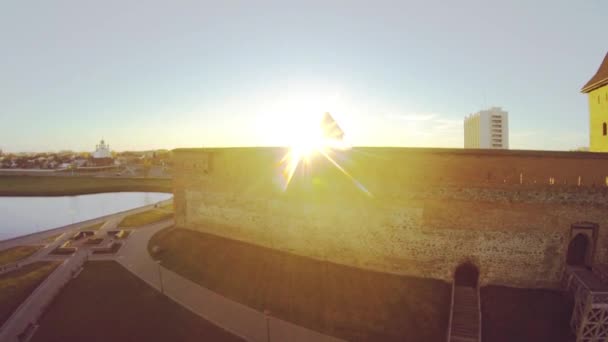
<point>525,315</point>
<point>345,302</point>
<point>108,303</point>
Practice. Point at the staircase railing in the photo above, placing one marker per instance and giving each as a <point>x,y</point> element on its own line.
<point>590,310</point>
<point>479,311</point>
<point>449,335</point>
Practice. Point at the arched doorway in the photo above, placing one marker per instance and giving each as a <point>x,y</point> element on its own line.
<point>577,250</point>
<point>466,274</point>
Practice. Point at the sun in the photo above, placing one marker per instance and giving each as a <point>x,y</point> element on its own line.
<point>306,136</point>
<point>302,122</point>
<point>312,135</point>
<point>305,140</point>
<point>292,118</point>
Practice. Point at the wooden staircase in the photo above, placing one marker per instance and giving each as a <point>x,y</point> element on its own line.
<point>465,315</point>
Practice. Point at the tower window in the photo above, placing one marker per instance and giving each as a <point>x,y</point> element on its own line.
<point>605,129</point>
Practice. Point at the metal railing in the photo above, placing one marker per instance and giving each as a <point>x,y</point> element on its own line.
<point>479,311</point>
<point>451,313</point>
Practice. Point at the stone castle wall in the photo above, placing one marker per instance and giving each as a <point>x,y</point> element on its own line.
<point>417,212</point>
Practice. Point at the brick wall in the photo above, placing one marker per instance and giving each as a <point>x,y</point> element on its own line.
<point>422,213</point>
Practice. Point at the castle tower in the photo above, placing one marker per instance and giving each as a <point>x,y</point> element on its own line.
<point>597,88</point>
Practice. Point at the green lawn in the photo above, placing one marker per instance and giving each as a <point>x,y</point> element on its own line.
<point>525,315</point>
<point>108,303</point>
<point>146,217</point>
<point>76,185</point>
<point>14,254</point>
<point>51,238</point>
<point>17,285</point>
<point>346,302</point>
<point>95,226</point>
<point>168,206</point>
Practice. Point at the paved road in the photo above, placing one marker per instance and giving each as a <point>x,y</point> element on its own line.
<point>110,224</point>
<point>30,310</point>
<point>234,317</point>
<point>134,254</point>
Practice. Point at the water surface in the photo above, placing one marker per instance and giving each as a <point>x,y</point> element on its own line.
<point>25,215</point>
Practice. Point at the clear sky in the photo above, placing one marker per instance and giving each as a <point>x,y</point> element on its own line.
<point>165,74</point>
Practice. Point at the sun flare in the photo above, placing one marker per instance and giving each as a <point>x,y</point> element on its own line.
<point>307,136</point>
<point>319,135</point>
<point>302,121</point>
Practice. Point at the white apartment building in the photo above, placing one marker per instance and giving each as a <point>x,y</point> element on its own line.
<point>487,129</point>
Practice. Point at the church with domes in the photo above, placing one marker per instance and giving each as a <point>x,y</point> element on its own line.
<point>102,156</point>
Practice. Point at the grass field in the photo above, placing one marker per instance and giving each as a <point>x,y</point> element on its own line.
<point>76,185</point>
<point>51,238</point>
<point>17,285</point>
<point>146,217</point>
<point>345,302</point>
<point>95,226</point>
<point>14,254</point>
<point>108,303</point>
<point>168,206</point>
<point>525,315</point>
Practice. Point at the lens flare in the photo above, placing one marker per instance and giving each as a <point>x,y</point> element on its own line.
<point>322,139</point>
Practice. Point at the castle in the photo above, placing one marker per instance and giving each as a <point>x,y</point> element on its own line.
<point>530,219</point>
<point>411,211</point>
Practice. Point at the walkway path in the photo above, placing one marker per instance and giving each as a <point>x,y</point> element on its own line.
<point>465,315</point>
<point>43,253</point>
<point>110,224</point>
<point>29,311</point>
<point>236,318</point>
<point>27,314</point>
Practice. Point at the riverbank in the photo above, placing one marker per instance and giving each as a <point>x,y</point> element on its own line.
<point>37,237</point>
<point>78,185</point>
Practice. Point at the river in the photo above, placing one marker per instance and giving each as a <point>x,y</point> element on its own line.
<point>24,215</point>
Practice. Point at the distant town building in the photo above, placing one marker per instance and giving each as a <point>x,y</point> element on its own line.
<point>102,150</point>
<point>597,88</point>
<point>102,155</point>
<point>487,129</point>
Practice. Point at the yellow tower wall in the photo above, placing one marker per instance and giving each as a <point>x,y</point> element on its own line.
<point>598,114</point>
